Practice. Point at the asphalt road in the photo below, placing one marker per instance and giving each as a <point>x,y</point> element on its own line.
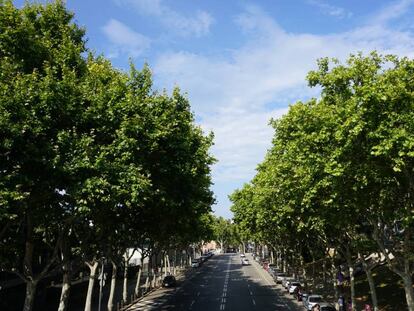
<point>222,283</point>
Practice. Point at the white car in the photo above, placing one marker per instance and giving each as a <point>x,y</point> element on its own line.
<point>195,263</point>
<point>312,300</point>
<point>242,255</point>
<point>292,287</point>
<point>286,281</point>
<point>245,262</point>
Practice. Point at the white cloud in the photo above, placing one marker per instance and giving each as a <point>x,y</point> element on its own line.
<point>198,24</point>
<point>331,10</point>
<point>392,11</point>
<point>236,97</point>
<point>124,39</point>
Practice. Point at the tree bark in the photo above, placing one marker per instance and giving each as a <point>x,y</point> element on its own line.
<point>368,271</point>
<point>30,295</point>
<point>111,304</point>
<point>409,293</point>
<point>372,288</point>
<point>93,267</point>
<point>125,285</point>
<point>168,264</point>
<point>334,280</point>
<point>31,283</point>
<point>272,258</point>
<point>351,276</point>
<point>405,274</point>
<point>139,277</point>
<point>66,284</point>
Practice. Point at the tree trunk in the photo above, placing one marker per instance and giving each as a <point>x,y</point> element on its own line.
<point>333,275</point>
<point>111,304</point>
<point>66,284</point>
<point>368,270</point>
<point>31,283</point>
<point>30,295</point>
<point>409,293</point>
<point>139,277</point>
<point>406,274</point>
<point>146,283</point>
<point>373,291</point>
<point>351,277</point>
<point>272,258</point>
<point>125,286</point>
<point>93,267</point>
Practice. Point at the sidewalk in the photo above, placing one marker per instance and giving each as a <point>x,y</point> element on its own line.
<point>158,292</point>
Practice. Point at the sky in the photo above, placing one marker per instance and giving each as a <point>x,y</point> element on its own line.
<point>240,63</point>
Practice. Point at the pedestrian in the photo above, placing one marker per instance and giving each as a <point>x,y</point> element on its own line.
<point>341,303</point>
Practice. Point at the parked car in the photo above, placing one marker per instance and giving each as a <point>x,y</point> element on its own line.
<point>286,280</point>
<point>195,263</point>
<point>245,262</point>
<point>280,277</point>
<point>273,270</point>
<point>169,281</point>
<point>312,300</point>
<point>292,287</point>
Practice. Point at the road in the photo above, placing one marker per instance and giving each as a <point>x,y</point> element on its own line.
<point>222,284</point>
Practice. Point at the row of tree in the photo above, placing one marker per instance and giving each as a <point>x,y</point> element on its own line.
<point>338,181</point>
<point>93,161</point>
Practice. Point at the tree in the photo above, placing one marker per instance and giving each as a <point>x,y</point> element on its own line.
<point>40,99</point>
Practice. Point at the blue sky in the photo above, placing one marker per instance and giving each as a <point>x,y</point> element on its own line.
<point>240,62</point>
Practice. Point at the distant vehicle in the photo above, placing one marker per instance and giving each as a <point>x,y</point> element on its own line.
<point>292,287</point>
<point>286,280</point>
<point>169,281</point>
<point>242,255</point>
<point>195,263</point>
<point>245,262</point>
<point>273,270</point>
<point>280,277</point>
<point>312,300</point>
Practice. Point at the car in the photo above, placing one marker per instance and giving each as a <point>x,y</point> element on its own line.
<point>326,306</point>
<point>245,262</point>
<point>195,263</point>
<point>242,255</point>
<point>292,286</point>
<point>286,280</point>
<point>272,270</point>
<point>169,281</point>
<point>280,277</point>
<point>312,300</point>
